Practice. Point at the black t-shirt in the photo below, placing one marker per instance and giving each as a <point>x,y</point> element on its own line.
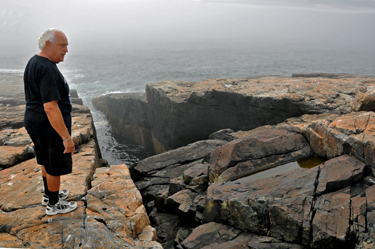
<point>44,83</point>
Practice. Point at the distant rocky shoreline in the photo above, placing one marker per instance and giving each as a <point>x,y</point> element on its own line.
<point>208,133</point>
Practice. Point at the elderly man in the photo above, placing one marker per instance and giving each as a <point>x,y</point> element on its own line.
<point>48,118</point>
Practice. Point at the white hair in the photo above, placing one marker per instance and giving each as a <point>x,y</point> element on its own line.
<point>48,35</point>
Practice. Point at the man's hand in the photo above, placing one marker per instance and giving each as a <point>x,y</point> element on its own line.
<point>57,122</point>
<point>69,146</point>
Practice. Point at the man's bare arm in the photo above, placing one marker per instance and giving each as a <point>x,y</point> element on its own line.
<point>57,122</point>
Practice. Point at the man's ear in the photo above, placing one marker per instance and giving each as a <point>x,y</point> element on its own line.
<point>48,43</point>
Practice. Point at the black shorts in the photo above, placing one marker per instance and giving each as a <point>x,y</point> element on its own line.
<point>49,153</point>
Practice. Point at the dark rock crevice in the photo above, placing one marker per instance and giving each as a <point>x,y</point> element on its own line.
<point>313,206</point>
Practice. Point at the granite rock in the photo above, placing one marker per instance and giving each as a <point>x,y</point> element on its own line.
<point>110,211</point>
<point>350,133</point>
<point>192,111</point>
<point>255,123</point>
<point>257,152</point>
<point>183,155</point>
<point>293,208</point>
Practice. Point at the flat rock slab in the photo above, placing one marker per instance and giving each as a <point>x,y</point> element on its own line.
<point>22,185</point>
<point>331,221</point>
<point>263,150</point>
<point>294,207</point>
<point>116,219</point>
<point>215,235</point>
<point>191,152</point>
<point>338,174</point>
<point>351,133</point>
<point>16,145</point>
<point>205,234</point>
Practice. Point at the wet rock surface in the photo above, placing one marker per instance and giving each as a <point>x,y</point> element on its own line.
<point>262,150</point>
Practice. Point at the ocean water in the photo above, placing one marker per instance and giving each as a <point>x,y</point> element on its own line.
<point>129,69</point>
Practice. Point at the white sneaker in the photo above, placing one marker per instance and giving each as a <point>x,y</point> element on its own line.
<point>63,194</point>
<point>61,207</point>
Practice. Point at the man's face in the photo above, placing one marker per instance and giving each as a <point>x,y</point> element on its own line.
<point>58,48</point>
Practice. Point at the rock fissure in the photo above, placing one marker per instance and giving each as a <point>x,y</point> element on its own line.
<point>367,123</point>
<point>103,222</point>
<point>365,214</point>
<point>351,221</point>
<point>313,208</point>
<point>84,217</point>
<point>62,236</point>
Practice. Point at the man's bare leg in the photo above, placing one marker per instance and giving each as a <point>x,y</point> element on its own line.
<point>53,183</point>
<point>53,186</point>
<point>46,191</point>
<point>44,172</point>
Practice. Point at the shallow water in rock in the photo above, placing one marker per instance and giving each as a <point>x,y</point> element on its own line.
<point>307,163</point>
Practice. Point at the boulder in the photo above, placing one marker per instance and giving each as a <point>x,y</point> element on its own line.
<point>167,227</point>
<point>350,133</point>
<point>74,97</point>
<point>182,202</point>
<point>364,99</point>
<point>206,234</point>
<point>364,219</point>
<point>181,235</point>
<point>197,170</point>
<point>183,155</point>
<point>260,151</point>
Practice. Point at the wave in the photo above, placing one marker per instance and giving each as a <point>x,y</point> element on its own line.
<point>111,92</point>
<point>11,71</point>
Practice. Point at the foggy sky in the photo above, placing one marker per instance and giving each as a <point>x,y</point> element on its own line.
<point>113,24</point>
